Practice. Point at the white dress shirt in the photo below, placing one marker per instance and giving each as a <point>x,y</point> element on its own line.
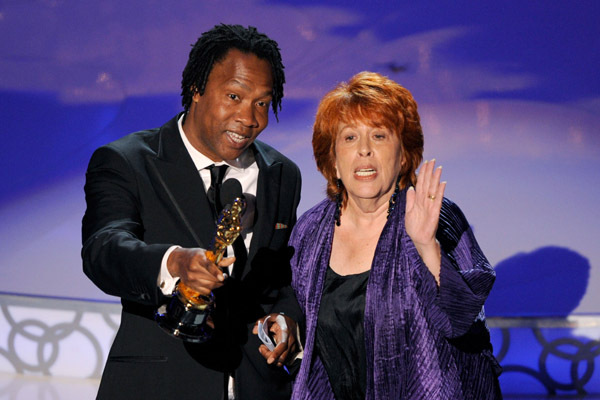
<point>245,170</point>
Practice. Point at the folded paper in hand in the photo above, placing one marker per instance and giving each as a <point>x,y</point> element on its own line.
<point>263,334</point>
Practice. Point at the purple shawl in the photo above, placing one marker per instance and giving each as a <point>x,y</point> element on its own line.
<point>409,323</point>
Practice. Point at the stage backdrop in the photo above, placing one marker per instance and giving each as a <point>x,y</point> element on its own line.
<point>508,92</point>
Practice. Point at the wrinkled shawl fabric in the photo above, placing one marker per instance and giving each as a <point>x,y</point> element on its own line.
<point>409,323</point>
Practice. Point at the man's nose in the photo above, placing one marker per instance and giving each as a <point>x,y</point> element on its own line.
<point>247,116</point>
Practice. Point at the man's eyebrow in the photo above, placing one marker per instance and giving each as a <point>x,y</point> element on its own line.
<point>246,87</point>
<point>239,83</point>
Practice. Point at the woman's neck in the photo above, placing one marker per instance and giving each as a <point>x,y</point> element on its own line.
<point>365,212</point>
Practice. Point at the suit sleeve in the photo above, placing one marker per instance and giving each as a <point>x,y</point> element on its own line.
<point>286,300</point>
<point>466,276</point>
<point>115,256</point>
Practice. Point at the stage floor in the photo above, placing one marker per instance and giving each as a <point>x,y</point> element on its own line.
<point>28,387</point>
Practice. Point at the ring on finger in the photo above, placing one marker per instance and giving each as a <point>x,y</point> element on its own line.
<point>431,197</point>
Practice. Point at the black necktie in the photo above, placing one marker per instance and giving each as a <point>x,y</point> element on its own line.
<point>214,191</point>
<point>214,197</point>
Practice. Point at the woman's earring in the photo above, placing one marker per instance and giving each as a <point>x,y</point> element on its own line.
<point>393,199</point>
<point>338,202</point>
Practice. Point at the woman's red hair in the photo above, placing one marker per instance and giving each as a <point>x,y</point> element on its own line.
<point>374,100</point>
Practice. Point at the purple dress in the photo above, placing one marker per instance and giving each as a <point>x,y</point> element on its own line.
<point>421,341</point>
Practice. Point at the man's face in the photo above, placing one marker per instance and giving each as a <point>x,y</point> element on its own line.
<point>234,108</point>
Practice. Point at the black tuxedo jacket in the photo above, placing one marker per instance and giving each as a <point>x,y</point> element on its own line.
<point>144,195</point>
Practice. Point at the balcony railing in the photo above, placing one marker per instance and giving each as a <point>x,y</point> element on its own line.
<point>58,337</point>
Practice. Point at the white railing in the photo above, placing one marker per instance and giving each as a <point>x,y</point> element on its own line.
<point>70,338</point>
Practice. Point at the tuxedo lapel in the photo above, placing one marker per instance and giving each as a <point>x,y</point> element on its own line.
<point>267,201</point>
<point>179,185</point>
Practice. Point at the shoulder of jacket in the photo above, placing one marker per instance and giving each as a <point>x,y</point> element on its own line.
<point>272,155</point>
<point>315,214</point>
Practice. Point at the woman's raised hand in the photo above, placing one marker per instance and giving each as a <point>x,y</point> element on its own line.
<point>423,205</point>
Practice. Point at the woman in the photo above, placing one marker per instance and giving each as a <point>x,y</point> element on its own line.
<point>386,269</point>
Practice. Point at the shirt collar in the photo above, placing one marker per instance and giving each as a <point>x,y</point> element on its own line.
<point>201,161</point>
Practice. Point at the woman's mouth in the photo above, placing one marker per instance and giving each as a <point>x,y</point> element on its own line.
<point>364,172</point>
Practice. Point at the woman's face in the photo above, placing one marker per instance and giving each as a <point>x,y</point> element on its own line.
<point>368,160</point>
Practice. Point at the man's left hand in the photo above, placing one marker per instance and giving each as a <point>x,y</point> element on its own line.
<point>285,339</point>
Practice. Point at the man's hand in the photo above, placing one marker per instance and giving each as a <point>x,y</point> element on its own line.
<point>285,338</point>
<point>196,271</point>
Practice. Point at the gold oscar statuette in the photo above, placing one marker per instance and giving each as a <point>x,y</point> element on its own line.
<point>188,311</point>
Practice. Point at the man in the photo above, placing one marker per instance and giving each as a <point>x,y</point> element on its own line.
<point>148,222</point>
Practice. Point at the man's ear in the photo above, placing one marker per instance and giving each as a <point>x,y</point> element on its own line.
<point>195,94</point>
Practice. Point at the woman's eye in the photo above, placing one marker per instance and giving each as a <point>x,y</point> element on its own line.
<point>233,96</point>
